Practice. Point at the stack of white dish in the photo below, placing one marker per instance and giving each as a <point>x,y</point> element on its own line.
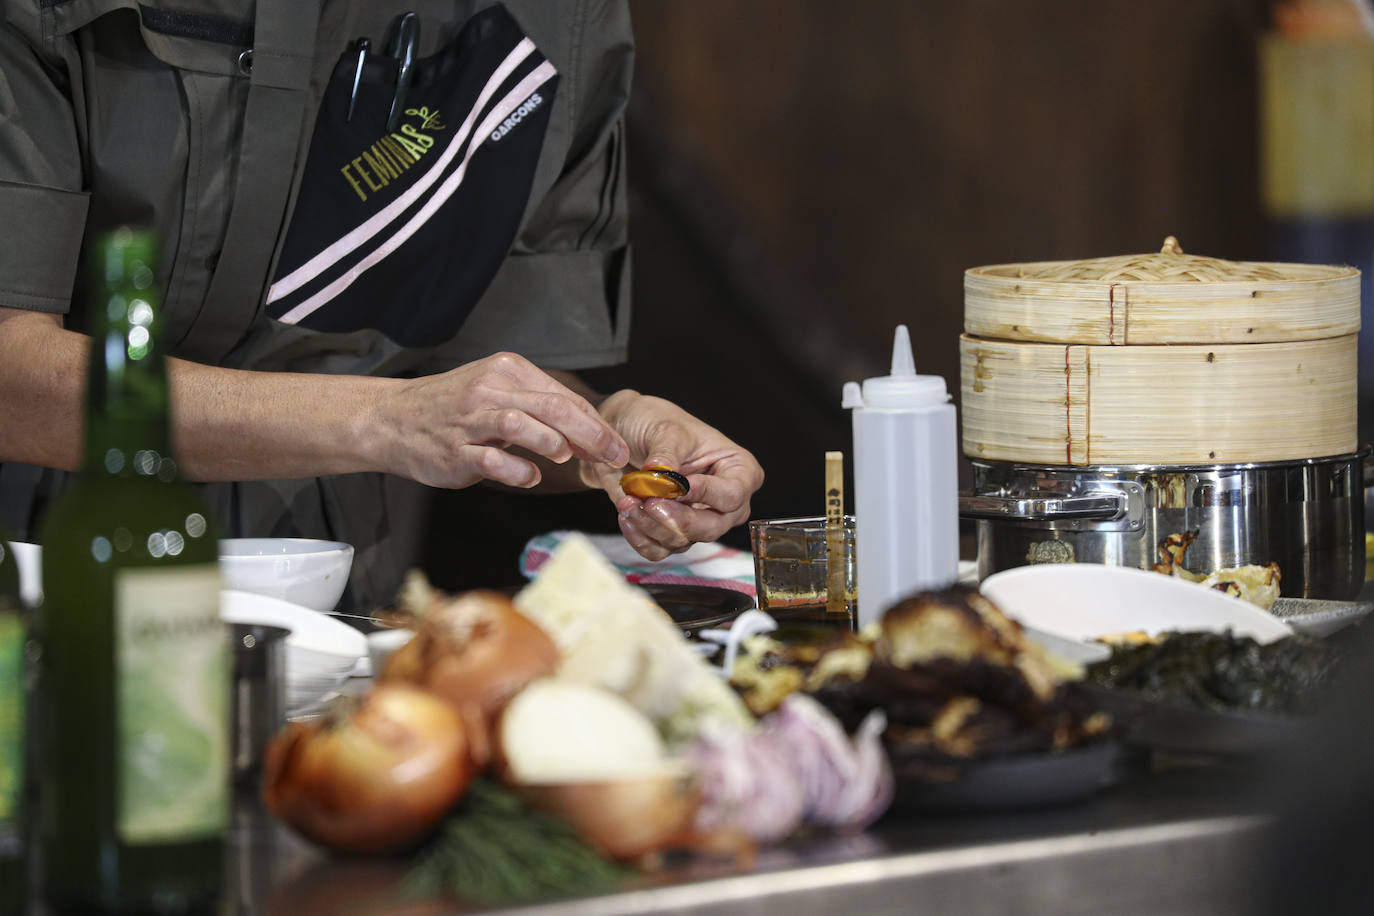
<point>294,583</point>
<point>321,652</point>
<point>281,582</point>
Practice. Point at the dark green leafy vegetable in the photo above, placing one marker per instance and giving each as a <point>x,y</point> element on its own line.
<point>1222,671</point>
<point>495,849</point>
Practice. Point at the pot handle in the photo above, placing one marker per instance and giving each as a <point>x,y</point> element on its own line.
<point>1094,506</point>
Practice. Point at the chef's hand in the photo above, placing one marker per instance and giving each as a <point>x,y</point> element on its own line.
<point>723,475</point>
<point>453,429</point>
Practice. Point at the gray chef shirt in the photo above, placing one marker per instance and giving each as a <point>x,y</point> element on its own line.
<point>195,117</point>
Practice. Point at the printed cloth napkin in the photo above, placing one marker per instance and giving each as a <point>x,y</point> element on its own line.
<point>701,564</point>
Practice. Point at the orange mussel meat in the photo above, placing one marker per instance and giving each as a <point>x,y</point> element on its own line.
<point>664,483</point>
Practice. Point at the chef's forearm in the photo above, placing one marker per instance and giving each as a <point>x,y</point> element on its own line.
<point>231,424</point>
<point>42,390</point>
<point>227,424</point>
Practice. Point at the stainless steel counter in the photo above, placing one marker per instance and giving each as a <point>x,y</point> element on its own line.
<point>1175,836</point>
<point>1175,839</point>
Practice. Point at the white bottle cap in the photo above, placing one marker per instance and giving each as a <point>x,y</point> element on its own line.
<point>904,388</point>
<point>851,395</point>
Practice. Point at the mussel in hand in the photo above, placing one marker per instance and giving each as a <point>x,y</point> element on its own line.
<point>664,483</point>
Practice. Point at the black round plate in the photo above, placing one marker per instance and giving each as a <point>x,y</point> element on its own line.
<point>697,607</point>
<point>1192,729</point>
<point>1018,781</point>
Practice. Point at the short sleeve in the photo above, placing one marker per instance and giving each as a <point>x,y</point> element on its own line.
<point>41,193</point>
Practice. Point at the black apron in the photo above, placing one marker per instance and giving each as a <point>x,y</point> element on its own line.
<point>401,231</point>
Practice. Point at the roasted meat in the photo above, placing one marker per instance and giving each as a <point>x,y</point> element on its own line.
<point>1256,584</point>
<point>959,681</point>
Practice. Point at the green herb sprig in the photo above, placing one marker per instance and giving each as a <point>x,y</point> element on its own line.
<point>495,849</point>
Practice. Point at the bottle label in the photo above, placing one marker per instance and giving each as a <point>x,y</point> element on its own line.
<point>11,720</point>
<point>173,704</point>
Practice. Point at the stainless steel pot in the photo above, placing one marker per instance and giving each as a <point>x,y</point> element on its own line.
<point>1306,515</point>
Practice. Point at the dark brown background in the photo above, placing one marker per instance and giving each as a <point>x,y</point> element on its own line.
<point>805,176</point>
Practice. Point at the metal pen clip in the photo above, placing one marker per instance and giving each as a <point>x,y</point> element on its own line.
<point>404,41</point>
<point>360,46</point>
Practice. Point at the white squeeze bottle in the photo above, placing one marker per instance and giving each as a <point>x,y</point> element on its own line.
<point>906,480</point>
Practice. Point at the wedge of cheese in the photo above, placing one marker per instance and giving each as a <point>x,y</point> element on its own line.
<point>613,635</point>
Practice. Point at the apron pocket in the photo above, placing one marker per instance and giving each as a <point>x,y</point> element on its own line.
<point>402,231</point>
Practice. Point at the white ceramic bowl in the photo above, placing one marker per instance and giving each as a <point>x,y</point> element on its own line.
<point>382,644</point>
<point>1084,601</point>
<point>302,571</point>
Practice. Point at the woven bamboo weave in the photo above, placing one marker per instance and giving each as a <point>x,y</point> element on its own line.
<point>1165,297</point>
<point>1159,358</point>
<point>1168,265</point>
<point>1086,405</point>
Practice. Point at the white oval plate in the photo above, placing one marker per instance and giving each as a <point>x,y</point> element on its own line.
<point>1078,651</point>
<point>321,652</point>
<point>311,631</point>
<point>1085,601</point>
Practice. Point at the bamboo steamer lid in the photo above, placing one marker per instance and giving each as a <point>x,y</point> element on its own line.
<point>1161,359</point>
<point>1167,297</point>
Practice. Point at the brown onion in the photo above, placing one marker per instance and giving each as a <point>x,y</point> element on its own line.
<point>625,819</point>
<point>588,756</point>
<point>475,651</point>
<point>370,777</point>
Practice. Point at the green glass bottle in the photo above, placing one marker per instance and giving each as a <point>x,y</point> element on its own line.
<point>134,680</point>
<point>13,700</point>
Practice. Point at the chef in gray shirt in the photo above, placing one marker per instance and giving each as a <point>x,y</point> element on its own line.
<point>390,235</point>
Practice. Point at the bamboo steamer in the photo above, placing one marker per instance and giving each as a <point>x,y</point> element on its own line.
<point>1163,358</point>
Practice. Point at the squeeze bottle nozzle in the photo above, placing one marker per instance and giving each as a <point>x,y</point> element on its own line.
<point>903,362</point>
<point>903,388</point>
